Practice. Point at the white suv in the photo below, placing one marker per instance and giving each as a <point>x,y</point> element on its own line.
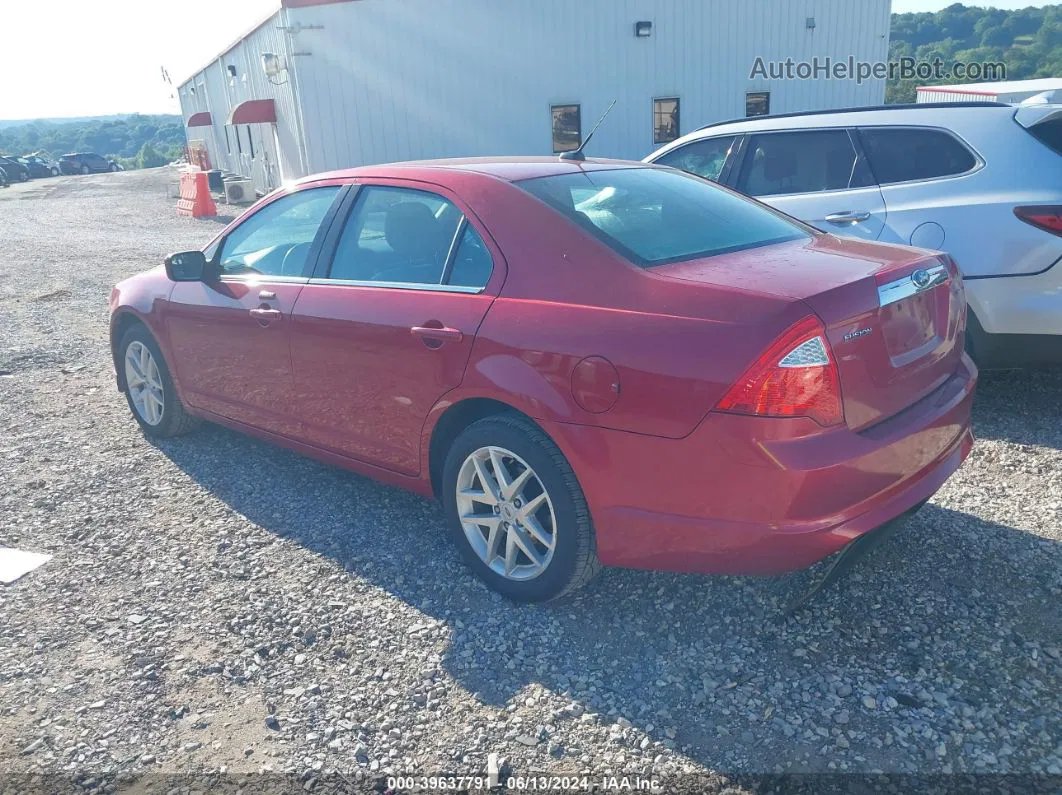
<point>981,181</point>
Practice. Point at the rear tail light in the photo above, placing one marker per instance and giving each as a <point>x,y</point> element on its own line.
<point>795,377</point>
<point>1046,217</point>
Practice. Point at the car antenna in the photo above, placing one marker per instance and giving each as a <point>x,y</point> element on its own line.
<point>577,154</point>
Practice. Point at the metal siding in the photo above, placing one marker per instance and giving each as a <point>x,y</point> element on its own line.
<point>435,78</point>
<point>278,157</point>
<point>384,80</point>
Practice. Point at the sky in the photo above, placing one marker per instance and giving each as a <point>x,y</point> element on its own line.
<point>96,58</point>
<point>99,57</point>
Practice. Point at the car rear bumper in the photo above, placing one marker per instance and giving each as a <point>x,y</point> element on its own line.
<point>748,495</point>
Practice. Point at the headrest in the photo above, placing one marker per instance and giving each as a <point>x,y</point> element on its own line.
<point>410,228</point>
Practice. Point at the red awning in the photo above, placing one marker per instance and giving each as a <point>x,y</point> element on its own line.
<point>200,119</point>
<point>254,111</point>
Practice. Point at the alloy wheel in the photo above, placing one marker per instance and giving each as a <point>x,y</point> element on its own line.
<point>506,513</point>
<point>144,383</point>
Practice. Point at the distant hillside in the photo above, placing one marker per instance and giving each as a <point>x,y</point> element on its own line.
<point>126,138</point>
<point>1028,41</point>
<point>72,119</point>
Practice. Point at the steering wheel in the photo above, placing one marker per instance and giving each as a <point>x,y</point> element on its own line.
<point>295,260</point>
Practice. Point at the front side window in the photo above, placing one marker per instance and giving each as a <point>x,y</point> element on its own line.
<point>665,120</point>
<point>653,216</point>
<point>567,127</point>
<point>705,158</point>
<point>778,164</point>
<point>404,236</point>
<point>277,239</point>
<point>903,154</point>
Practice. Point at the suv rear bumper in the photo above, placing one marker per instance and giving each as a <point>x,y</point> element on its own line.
<point>1029,304</point>
<point>749,495</point>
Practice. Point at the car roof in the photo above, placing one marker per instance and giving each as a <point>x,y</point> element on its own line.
<point>510,169</point>
<point>853,116</point>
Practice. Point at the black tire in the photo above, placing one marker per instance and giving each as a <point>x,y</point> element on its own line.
<point>113,167</point>
<point>574,561</point>
<point>175,420</point>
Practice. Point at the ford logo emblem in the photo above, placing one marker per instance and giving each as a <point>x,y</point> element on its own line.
<point>921,279</point>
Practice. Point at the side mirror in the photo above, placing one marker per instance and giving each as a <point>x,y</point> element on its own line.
<point>186,266</point>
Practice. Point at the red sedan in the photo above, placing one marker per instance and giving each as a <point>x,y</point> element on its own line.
<point>587,363</point>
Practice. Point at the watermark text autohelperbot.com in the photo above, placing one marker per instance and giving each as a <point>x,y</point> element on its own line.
<point>906,68</point>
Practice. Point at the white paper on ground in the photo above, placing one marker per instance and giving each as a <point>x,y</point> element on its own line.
<point>15,562</point>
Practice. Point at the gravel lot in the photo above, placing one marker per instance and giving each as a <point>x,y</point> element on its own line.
<point>215,602</point>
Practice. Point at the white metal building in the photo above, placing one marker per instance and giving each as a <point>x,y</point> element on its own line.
<point>351,82</point>
<point>1003,91</point>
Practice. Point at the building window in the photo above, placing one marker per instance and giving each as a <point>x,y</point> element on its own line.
<point>665,120</point>
<point>239,146</point>
<point>567,127</point>
<point>250,140</point>
<point>228,143</point>
<point>758,103</point>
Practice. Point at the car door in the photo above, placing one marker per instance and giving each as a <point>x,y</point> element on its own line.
<point>818,176</point>
<point>230,336</point>
<point>386,327</point>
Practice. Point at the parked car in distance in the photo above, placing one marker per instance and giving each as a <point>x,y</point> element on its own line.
<point>40,166</point>
<point>86,163</point>
<point>979,180</point>
<point>16,171</point>
<point>4,183</point>
<point>585,362</point>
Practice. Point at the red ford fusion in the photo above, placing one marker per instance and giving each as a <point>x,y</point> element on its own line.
<point>587,363</point>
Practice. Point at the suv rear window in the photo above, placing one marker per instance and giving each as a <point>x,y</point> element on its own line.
<point>906,154</point>
<point>653,217</point>
<point>1049,133</point>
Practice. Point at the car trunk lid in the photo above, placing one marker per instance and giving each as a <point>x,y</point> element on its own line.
<point>893,315</point>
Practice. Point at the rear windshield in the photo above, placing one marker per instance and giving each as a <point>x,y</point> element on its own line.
<point>653,217</point>
<point>1049,133</point>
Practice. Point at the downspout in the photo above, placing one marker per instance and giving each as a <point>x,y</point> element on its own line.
<point>295,101</point>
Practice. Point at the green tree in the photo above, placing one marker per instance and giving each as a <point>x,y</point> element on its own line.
<point>149,157</point>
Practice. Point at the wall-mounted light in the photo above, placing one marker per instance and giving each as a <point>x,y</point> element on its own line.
<point>810,23</point>
<point>643,29</point>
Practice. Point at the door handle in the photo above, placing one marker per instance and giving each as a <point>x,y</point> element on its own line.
<point>441,333</point>
<point>847,217</point>
<point>265,315</point>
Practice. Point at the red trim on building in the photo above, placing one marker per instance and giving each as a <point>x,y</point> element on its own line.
<point>254,111</point>
<point>200,119</point>
<point>954,90</point>
<point>305,3</point>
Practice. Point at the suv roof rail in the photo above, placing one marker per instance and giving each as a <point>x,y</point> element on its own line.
<point>905,106</point>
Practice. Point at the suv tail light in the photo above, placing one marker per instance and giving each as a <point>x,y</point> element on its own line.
<point>795,377</point>
<point>1046,217</point>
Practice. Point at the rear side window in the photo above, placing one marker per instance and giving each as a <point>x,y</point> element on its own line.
<point>654,216</point>
<point>410,237</point>
<point>705,158</point>
<point>1049,133</point>
<point>907,154</point>
<point>778,164</point>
